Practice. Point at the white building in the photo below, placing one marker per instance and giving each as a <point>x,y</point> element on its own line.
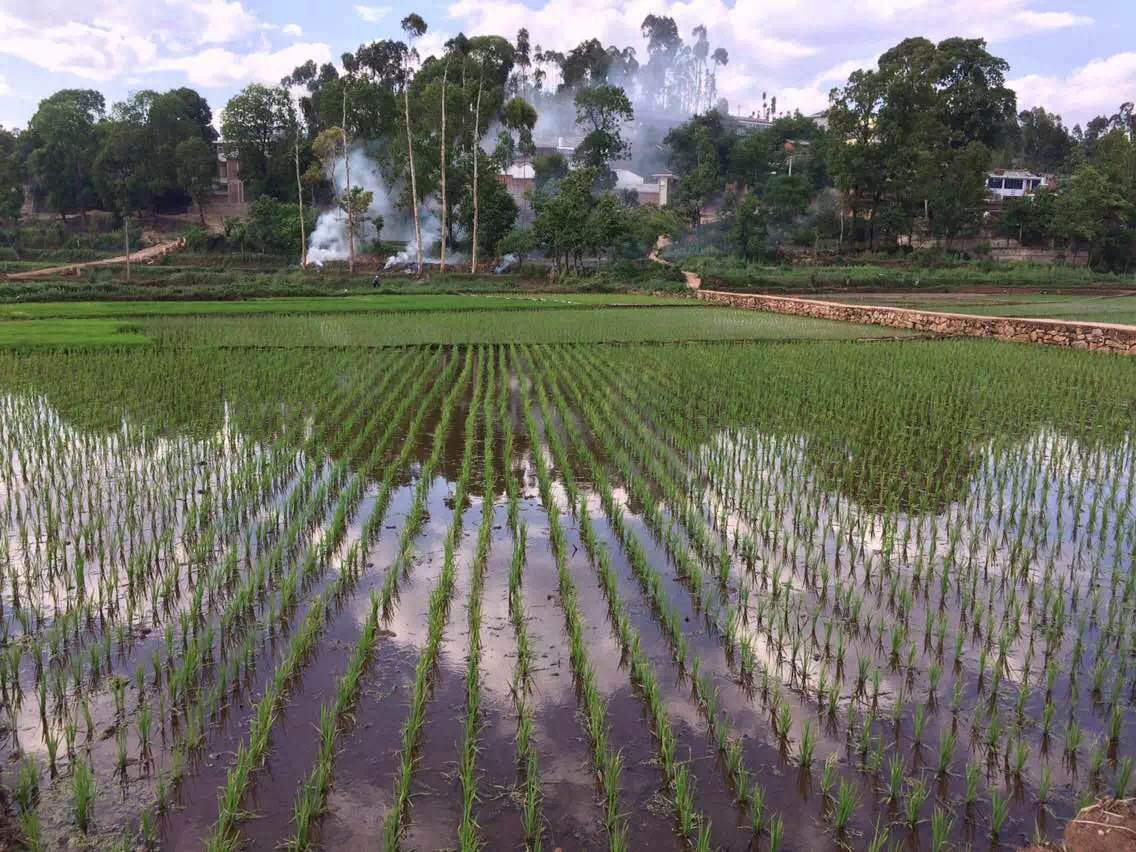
<point>1014,183</point>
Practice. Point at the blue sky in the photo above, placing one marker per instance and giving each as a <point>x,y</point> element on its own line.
<point>1076,57</point>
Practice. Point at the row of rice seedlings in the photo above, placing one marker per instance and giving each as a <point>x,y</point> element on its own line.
<point>440,597</point>
<point>223,835</point>
<point>842,806</point>
<point>192,729</point>
<point>312,796</point>
<point>200,706</point>
<point>528,762</point>
<point>201,547</point>
<point>145,567</point>
<point>692,826</point>
<point>468,830</point>
<point>608,762</point>
<point>669,620</point>
<point>840,813</point>
<point>1018,751</point>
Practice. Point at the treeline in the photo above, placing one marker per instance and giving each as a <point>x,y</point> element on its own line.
<point>903,152</point>
<point>908,145</point>
<point>151,151</point>
<point>439,129</point>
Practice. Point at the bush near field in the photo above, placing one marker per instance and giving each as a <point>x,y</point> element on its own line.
<point>191,282</point>
<point>730,273</point>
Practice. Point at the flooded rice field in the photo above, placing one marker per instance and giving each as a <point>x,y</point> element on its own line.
<point>728,596</point>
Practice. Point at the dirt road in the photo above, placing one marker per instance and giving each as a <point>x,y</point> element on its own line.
<point>146,255</point>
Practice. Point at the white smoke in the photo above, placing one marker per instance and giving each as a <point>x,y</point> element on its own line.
<point>329,239</point>
<point>431,229</point>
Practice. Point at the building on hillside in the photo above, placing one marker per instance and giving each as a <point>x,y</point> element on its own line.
<point>519,181</point>
<point>666,183</point>
<point>627,181</point>
<point>747,124</point>
<point>565,146</point>
<point>1014,183</point>
<point>820,119</point>
<point>228,184</point>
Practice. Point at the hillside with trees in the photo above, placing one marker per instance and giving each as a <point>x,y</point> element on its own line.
<point>900,156</point>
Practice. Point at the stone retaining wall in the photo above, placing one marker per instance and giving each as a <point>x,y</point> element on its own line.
<point>1105,337</point>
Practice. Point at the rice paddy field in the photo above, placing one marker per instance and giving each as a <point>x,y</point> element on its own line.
<point>422,581</point>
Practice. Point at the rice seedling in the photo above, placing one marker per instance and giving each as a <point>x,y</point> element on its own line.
<point>83,795</point>
<point>999,811</point>
<point>843,807</point>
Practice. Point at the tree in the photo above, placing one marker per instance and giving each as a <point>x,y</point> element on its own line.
<point>355,203</point>
<point>787,196</point>
<point>496,214</point>
<point>747,233</point>
<point>955,191</point>
<point>65,142</point>
<point>119,175</point>
<point>698,157</point>
<point>602,111</point>
<point>1089,209</point>
<point>414,27</point>
<point>1045,144</point>
<point>196,167</point>
<point>524,60</point>
<point>520,119</point>
<point>255,122</point>
<point>561,218</point>
<point>11,177</point>
<point>549,169</point>
<point>519,242</point>
<point>1029,220</point>
<point>167,119</point>
<point>898,131</point>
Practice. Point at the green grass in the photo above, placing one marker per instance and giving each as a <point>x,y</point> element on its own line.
<point>326,304</point>
<point>565,325</point>
<point>70,332</point>
<point>1083,308</point>
<point>728,273</point>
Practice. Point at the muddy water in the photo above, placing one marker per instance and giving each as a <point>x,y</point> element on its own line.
<point>641,780</point>
<point>497,811</point>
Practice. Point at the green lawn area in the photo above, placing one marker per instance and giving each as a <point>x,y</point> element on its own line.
<point>561,325</point>
<point>1084,308</point>
<point>328,304</point>
<point>71,332</point>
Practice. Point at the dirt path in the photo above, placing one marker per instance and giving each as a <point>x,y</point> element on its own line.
<point>146,255</point>
<point>692,280</point>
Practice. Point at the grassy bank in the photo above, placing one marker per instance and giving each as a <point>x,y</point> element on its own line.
<point>731,274</point>
<point>357,303</point>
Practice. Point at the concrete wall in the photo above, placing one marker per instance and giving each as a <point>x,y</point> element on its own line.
<point>1077,335</point>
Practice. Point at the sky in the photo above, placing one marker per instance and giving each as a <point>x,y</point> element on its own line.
<point>1075,57</point>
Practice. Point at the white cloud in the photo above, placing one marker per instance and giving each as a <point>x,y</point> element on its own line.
<point>1098,87</point>
<point>773,47</point>
<point>292,30</point>
<point>91,52</point>
<point>372,14</point>
<point>4,87</point>
<point>217,66</point>
<point>1040,21</point>
<point>223,21</point>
